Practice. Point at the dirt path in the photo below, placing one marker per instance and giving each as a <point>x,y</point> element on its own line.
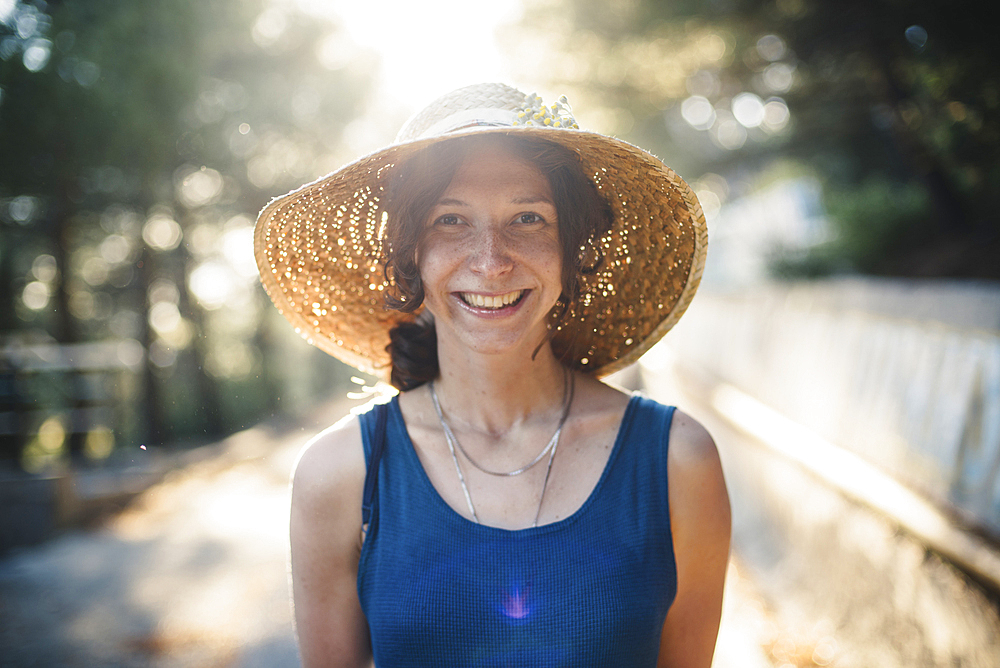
<point>192,574</point>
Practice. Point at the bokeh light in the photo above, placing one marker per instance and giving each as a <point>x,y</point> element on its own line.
<point>47,447</point>
<point>36,55</point>
<point>212,284</point>
<point>917,37</point>
<point>197,186</point>
<point>698,112</point>
<point>82,304</point>
<point>44,268</point>
<point>776,114</point>
<point>729,133</point>
<point>115,249</point>
<point>95,271</point>
<point>36,295</point>
<point>22,208</point>
<point>162,232</point>
<point>164,317</point>
<point>7,9</point>
<point>237,247</point>
<point>748,110</point>
<point>99,443</point>
<point>771,47</point>
<point>778,77</point>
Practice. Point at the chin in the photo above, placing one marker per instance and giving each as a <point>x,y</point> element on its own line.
<point>501,345</point>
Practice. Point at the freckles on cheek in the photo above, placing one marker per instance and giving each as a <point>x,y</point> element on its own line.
<point>434,262</point>
<point>547,253</point>
<point>444,252</point>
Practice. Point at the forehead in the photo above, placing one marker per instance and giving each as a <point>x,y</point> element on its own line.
<point>495,170</point>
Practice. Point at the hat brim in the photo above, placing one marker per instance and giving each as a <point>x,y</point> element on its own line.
<point>318,249</point>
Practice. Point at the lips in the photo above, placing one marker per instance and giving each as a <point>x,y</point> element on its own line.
<point>492,302</point>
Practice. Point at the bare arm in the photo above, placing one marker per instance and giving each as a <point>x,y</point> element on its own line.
<point>700,520</point>
<point>325,543</point>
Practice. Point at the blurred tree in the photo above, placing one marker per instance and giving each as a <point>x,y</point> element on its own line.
<point>88,120</point>
<point>899,98</point>
<point>138,143</point>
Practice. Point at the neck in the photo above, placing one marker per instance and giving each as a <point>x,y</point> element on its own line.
<point>493,393</point>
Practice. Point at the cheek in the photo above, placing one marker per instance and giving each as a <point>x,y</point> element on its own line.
<point>545,255</point>
<point>432,261</point>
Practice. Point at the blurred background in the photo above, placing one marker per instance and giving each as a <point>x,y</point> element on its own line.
<point>844,348</point>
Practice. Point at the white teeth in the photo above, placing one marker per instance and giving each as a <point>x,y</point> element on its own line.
<point>485,301</point>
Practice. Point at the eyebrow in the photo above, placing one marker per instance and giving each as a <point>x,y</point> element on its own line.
<point>448,201</point>
<point>532,200</point>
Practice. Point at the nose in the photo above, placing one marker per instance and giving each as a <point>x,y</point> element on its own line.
<point>491,255</point>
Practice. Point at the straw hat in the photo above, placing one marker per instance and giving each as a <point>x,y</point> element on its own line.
<point>319,248</point>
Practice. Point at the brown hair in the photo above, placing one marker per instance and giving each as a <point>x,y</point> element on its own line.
<point>583,214</point>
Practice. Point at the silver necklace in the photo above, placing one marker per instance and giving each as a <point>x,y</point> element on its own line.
<point>550,448</point>
<point>567,379</point>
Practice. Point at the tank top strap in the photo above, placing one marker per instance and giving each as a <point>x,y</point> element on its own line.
<point>641,466</point>
<point>654,416</point>
<point>651,422</point>
<point>373,427</point>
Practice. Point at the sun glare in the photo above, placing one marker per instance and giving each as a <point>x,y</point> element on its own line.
<point>426,48</point>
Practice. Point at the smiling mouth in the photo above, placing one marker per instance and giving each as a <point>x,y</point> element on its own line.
<point>490,302</point>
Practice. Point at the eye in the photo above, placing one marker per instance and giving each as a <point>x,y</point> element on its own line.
<point>448,220</point>
<point>530,219</point>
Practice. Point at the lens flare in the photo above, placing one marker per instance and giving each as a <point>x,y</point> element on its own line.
<point>515,604</point>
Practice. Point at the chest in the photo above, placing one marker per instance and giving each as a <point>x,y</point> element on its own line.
<point>550,491</point>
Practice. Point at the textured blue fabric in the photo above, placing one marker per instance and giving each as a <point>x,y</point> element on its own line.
<point>593,589</point>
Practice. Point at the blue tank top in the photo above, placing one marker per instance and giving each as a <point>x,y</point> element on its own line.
<point>592,589</point>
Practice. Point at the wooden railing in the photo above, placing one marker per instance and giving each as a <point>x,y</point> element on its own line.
<point>50,393</point>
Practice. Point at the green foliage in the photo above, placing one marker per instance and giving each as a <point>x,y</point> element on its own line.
<point>888,101</point>
<point>138,152</point>
<point>108,95</point>
<point>874,224</point>
<point>879,220</point>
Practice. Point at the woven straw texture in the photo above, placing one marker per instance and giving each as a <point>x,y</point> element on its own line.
<point>319,248</point>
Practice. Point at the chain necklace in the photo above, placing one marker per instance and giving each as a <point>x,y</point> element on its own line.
<point>567,397</point>
<point>550,448</point>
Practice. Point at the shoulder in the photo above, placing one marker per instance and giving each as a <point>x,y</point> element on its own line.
<point>699,501</point>
<point>325,541</point>
<point>329,473</point>
<point>691,451</point>
<point>690,443</point>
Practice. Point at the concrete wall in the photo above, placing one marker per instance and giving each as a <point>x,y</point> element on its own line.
<point>843,586</point>
<point>893,381</point>
<point>904,373</point>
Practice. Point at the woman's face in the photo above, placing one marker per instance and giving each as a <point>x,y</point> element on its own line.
<point>489,257</point>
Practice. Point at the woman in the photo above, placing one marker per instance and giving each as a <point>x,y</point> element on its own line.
<point>507,508</point>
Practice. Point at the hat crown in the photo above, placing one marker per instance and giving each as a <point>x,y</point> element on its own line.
<point>495,101</point>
